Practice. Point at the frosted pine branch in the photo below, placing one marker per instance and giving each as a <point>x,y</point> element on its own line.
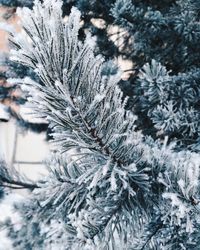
<point>117,177</point>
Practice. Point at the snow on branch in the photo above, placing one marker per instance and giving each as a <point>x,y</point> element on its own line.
<point>113,180</point>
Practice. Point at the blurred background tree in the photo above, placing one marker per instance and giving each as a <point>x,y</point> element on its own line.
<point>11,95</point>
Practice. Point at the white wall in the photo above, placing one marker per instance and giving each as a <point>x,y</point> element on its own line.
<point>7,134</point>
<point>25,151</point>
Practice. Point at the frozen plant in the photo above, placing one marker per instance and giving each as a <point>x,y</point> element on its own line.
<point>108,186</point>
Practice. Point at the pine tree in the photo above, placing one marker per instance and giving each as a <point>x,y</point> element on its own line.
<point>17,3</point>
<point>11,77</point>
<point>167,92</point>
<point>11,96</point>
<point>109,186</point>
<point>168,32</point>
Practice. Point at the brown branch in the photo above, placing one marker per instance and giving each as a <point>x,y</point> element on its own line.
<point>98,140</point>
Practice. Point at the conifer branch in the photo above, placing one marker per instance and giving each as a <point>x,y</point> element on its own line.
<point>115,173</point>
<point>159,225</point>
<point>16,184</point>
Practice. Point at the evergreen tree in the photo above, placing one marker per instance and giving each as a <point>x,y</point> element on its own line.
<point>17,3</point>
<point>11,95</point>
<point>167,91</point>
<point>109,186</point>
<point>11,77</point>
<point>168,32</point>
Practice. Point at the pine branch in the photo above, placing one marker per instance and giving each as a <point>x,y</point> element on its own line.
<point>12,179</point>
<point>16,184</point>
<point>158,226</point>
<point>87,111</point>
<point>98,140</point>
<point>114,169</point>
